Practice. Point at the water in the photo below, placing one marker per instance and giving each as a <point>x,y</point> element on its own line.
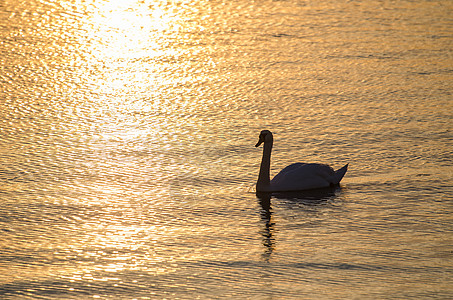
<point>128,162</point>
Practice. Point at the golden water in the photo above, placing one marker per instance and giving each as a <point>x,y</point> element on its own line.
<point>127,132</point>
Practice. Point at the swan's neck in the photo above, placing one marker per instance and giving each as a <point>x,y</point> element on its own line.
<point>264,180</point>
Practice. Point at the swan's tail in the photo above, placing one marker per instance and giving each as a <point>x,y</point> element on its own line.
<point>339,174</point>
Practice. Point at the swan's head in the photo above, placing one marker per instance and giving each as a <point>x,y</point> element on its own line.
<point>265,137</point>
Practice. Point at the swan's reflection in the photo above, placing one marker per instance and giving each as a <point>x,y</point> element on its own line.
<point>266,216</point>
<point>310,197</point>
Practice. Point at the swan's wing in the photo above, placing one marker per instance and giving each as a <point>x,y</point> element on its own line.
<point>303,170</point>
<point>290,168</point>
<point>301,176</point>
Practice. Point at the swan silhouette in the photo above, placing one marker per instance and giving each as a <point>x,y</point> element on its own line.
<point>295,177</point>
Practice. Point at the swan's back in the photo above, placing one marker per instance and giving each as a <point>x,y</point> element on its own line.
<point>302,176</point>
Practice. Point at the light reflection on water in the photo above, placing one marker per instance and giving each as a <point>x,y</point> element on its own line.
<point>126,142</point>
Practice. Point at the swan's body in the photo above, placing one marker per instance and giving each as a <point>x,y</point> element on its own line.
<point>295,177</point>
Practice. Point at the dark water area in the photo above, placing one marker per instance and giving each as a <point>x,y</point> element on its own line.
<point>127,133</point>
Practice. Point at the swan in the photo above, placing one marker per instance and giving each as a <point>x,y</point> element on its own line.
<point>295,177</point>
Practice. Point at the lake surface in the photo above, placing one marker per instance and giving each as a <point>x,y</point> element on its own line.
<point>127,133</point>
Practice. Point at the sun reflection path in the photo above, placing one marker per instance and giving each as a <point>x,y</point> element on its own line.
<point>119,69</point>
<point>130,47</point>
<point>127,61</point>
<point>129,29</point>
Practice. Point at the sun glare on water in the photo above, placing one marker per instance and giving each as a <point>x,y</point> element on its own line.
<point>119,62</point>
<point>121,56</point>
<point>129,29</point>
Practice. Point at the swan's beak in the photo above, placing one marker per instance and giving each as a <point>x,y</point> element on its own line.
<point>259,142</point>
